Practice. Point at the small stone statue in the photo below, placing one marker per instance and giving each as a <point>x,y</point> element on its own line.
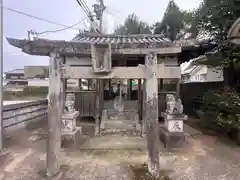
<point>118,105</point>
<point>173,106</point>
<point>69,103</point>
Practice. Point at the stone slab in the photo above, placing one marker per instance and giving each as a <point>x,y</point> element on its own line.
<point>119,124</point>
<point>167,116</point>
<point>116,142</point>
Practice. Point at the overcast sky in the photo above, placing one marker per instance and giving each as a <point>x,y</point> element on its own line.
<point>68,12</point>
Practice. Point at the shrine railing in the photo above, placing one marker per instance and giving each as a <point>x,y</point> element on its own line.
<point>17,114</point>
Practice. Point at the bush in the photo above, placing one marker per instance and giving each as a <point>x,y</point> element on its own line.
<point>224,107</point>
<point>35,91</point>
<point>27,92</point>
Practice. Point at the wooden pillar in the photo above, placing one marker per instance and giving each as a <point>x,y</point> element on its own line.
<point>89,84</point>
<point>152,127</point>
<point>54,113</point>
<point>64,87</point>
<point>110,89</point>
<point>97,113</point>
<point>129,89</point>
<point>101,95</point>
<point>144,97</point>
<point>140,99</point>
<point>80,84</point>
<point>178,89</point>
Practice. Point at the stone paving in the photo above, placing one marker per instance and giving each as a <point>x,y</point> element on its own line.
<point>203,158</point>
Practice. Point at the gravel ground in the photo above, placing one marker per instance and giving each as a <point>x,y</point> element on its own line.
<point>203,158</point>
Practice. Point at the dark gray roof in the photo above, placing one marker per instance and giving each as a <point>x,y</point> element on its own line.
<point>121,39</point>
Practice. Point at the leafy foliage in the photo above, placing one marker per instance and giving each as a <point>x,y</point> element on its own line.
<point>217,16</point>
<point>133,25</point>
<point>177,23</point>
<point>226,109</point>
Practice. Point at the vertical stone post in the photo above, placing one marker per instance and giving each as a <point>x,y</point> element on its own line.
<point>55,107</point>
<point>152,127</point>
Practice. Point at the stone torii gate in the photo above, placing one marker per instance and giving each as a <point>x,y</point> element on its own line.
<point>100,49</point>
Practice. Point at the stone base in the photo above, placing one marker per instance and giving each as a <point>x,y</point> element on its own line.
<point>58,176</point>
<point>172,140</point>
<point>70,136</point>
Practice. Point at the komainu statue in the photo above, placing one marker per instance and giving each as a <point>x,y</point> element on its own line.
<point>173,106</point>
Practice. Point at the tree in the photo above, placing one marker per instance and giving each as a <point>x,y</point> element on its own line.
<point>176,23</point>
<point>133,25</point>
<point>215,18</point>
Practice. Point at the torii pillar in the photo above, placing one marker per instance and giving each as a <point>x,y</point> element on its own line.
<point>151,116</point>
<point>55,109</point>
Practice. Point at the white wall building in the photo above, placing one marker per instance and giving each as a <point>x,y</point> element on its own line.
<point>201,73</point>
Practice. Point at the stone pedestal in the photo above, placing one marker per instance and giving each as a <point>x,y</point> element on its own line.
<point>69,128</point>
<point>68,119</point>
<point>172,133</point>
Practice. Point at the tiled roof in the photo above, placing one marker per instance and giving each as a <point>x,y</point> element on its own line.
<point>121,39</point>
<point>16,71</point>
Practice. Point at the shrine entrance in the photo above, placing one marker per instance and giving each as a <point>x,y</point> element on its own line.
<point>119,107</point>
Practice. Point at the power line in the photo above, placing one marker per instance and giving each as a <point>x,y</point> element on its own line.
<point>85,8</point>
<point>113,14</point>
<point>39,18</point>
<point>59,30</point>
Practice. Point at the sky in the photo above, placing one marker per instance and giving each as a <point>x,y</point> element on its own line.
<point>68,12</point>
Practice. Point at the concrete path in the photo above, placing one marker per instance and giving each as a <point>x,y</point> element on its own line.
<point>203,158</point>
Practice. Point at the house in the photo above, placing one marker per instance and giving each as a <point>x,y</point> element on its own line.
<point>201,73</point>
<point>38,76</point>
<point>15,80</point>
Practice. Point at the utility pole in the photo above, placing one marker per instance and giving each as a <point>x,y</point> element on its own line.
<point>1,74</point>
<point>98,10</point>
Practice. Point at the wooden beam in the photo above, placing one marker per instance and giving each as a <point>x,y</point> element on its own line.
<point>120,72</point>
<point>152,127</point>
<point>54,112</point>
<point>166,50</point>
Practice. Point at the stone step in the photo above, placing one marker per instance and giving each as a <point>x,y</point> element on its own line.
<point>119,124</point>
<point>124,133</point>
